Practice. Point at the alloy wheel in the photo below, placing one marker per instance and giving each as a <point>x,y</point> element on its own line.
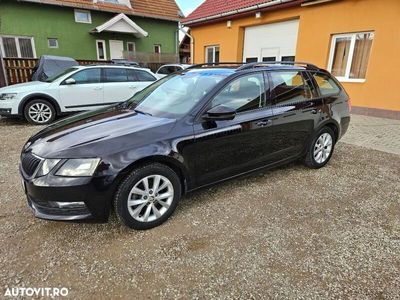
<point>40,113</point>
<point>150,198</point>
<point>323,148</point>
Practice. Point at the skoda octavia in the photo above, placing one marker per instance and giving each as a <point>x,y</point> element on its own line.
<point>191,129</point>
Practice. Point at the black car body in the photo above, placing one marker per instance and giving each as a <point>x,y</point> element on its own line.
<point>201,146</point>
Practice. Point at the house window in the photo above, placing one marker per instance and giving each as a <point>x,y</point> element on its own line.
<point>349,56</point>
<point>157,49</point>
<point>212,54</point>
<point>82,16</point>
<point>52,42</point>
<point>18,47</point>
<point>101,50</point>
<point>131,46</point>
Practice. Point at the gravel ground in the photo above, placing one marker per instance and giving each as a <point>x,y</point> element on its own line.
<point>291,232</point>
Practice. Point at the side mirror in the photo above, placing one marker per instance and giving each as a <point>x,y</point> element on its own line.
<point>70,81</point>
<point>220,113</point>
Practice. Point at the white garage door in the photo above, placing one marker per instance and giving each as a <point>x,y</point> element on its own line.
<point>271,42</point>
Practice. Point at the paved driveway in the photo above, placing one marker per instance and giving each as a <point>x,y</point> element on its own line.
<point>288,233</point>
<point>374,133</point>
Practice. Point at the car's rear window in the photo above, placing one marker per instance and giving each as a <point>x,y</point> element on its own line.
<point>326,84</point>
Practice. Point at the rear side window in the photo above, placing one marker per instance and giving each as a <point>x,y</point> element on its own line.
<point>144,76</point>
<point>326,85</point>
<point>167,70</point>
<point>289,87</point>
<point>243,94</point>
<point>115,75</point>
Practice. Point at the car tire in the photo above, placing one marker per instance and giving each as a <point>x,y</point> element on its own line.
<point>39,112</point>
<point>320,149</point>
<point>142,208</point>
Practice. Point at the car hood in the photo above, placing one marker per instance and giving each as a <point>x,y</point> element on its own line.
<point>25,87</point>
<point>98,133</point>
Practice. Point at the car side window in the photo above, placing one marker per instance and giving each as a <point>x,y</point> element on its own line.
<point>87,76</point>
<point>289,87</point>
<point>326,85</point>
<point>242,94</point>
<point>131,75</point>
<point>144,76</point>
<point>115,75</point>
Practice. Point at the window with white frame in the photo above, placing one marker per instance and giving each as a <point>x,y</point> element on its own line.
<point>101,50</point>
<point>349,56</point>
<point>52,42</point>
<point>131,46</point>
<point>17,47</point>
<point>157,49</point>
<point>82,16</point>
<point>212,54</point>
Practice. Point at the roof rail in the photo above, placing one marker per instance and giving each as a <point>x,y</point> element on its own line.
<point>216,64</point>
<point>266,63</point>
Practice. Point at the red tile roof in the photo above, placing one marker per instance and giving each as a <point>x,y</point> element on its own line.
<point>217,7</point>
<point>160,9</point>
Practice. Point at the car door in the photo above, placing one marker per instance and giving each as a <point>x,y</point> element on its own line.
<point>140,79</point>
<point>82,91</point>
<point>223,149</point>
<point>297,109</point>
<point>117,86</point>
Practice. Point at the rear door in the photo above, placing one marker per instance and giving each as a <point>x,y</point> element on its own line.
<point>297,110</point>
<point>117,87</point>
<point>86,93</point>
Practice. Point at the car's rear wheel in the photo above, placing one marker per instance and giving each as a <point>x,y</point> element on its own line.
<point>39,112</point>
<point>148,196</point>
<point>320,149</point>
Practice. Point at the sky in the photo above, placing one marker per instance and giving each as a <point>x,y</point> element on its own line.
<point>187,6</point>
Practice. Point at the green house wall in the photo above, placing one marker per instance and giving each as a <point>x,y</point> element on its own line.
<point>74,39</point>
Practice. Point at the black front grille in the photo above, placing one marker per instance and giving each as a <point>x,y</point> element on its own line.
<point>29,163</point>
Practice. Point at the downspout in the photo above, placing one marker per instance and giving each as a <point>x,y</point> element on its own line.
<point>191,44</point>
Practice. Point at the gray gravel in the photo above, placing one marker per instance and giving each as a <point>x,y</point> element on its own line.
<point>291,232</point>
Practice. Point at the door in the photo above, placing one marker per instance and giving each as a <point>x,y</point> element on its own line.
<point>84,92</point>
<point>270,54</point>
<point>116,49</point>
<point>117,87</point>
<point>270,41</point>
<point>297,110</point>
<point>223,149</point>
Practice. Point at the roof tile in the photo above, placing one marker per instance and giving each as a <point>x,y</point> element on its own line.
<point>161,9</point>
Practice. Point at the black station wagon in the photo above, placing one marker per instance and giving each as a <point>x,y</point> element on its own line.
<point>194,128</point>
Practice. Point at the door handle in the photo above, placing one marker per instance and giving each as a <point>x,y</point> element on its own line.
<point>98,88</point>
<point>133,87</point>
<point>315,111</point>
<point>263,123</point>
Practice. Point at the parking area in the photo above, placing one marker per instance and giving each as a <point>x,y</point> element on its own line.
<point>286,233</point>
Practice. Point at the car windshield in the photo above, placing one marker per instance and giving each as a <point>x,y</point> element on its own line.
<point>175,95</point>
<point>65,72</point>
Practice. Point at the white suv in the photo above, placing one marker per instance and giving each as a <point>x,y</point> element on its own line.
<point>76,89</point>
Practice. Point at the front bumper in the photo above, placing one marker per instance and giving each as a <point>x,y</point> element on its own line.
<point>66,199</point>
<point>8,108</point>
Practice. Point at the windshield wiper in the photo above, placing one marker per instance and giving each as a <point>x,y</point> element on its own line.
<point>142,112</point>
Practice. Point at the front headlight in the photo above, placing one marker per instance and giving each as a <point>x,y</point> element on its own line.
<point>8,96</point>
<point>78,167</point>
<point>47,166</point>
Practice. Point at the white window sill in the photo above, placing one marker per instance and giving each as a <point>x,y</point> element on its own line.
<point>351,80</point>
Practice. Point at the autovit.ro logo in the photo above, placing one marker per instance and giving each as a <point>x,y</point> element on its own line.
<point>36,292</point>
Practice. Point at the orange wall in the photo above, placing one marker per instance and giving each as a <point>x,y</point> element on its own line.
<point>317,24</point>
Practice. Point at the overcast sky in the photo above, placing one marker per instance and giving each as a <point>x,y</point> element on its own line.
<point>187,6</point>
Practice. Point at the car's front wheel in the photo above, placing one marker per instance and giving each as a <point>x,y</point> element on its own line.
<point>148,196</point>
<point>320,149</point>
<point>39,112</point>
